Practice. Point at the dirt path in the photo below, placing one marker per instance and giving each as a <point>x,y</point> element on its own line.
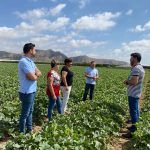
<point>121,143</point>
<point>2,145</point>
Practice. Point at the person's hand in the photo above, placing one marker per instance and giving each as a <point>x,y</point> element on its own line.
<point>54,97</point>
<point>126,82</point>
<point>94,78</point>
<point>66,88</point>
<point>38,72</point>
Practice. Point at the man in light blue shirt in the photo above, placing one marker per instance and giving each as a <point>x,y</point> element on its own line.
<point>28,74</point>
<point>91,75</point>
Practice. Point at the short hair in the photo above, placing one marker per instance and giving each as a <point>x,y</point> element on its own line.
<point>137,56</point>
<point>27,47</point>
<point>54,63</point>
<point>67,60</point>
<point>93,61</point>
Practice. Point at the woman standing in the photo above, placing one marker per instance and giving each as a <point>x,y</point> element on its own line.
<point>53,88</point>
<point>66,83</point>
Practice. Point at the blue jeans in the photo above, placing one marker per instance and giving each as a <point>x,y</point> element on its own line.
<point>52,104</point>
<point>134,109</point>
<point>27,103</point>
<point>87,88</point>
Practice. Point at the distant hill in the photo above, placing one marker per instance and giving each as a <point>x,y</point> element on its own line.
<point>48,55</point>
<point>9,56</point>
<point>85,59</point>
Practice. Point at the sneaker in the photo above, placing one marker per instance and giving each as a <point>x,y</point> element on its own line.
<point>67,112</point>
<point>128,121</point>
<point>127,135</point>
<point>29,131</point>
<point>132,128</point>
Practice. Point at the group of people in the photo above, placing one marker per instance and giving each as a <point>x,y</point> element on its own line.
<point>56,83</point>
<point>29,73</point>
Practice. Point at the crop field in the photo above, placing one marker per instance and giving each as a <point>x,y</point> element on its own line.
<point>89,126</point>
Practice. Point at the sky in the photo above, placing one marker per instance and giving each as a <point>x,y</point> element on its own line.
<point>110,29</point>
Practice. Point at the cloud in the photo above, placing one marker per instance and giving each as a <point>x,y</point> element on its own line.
<point>141,46</point>
<point>140,28</point>
<point>79,43</point>
<point>146,11</point>
<point>67,44</point>
<point>101,21</point>
<point>25,29</point>
<point>40,12</point>
<point>33,14</point>
<point>55,11</point>
<point>20,31</point>
<point>129,12</point>
<point>83,3</point>
<point>85,43</point>
<point>59,23</point>
<point>47,25</point>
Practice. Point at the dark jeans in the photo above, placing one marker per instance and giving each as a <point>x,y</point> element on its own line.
<point>27,104</point>
<point>134,109</point>
<point>52,104</point>
<point>87,88</point>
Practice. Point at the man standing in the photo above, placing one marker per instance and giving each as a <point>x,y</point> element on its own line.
<point>28,74</point>
<point>91,75</point>
<point>134,88</point>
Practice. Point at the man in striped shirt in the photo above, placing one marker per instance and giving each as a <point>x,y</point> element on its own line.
<point>134,88</point>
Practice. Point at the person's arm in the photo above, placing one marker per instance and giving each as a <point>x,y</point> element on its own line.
<point>28,70</point>
<point>87,75</point>
<point>50,86</point>
<point>134,77</point>
<point>38,72</point>
<point>97,75</point>
<point>31,76</point>
<point>133,81</point>
<point>64,75</point>
<point>34,75</point>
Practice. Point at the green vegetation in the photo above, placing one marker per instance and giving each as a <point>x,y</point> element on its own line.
<point>90,124</point>
<point>142,136</point>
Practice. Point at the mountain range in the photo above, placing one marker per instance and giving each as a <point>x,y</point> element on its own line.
<point>48,55</point>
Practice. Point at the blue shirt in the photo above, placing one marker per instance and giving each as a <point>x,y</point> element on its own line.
<point>25,66</point>
<point>92,72</point>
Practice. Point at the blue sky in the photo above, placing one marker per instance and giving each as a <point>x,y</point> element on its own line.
<point>109,29</point>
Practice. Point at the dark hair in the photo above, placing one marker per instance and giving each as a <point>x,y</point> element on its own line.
<point>137,56</point>
<point>54,63</point>
<point>67,60</point>
<point>27,47</point>
<point>93,61</point>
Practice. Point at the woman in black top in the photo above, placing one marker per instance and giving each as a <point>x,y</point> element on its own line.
<point>66,83</point>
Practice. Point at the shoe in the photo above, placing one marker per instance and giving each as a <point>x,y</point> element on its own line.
<point>128,121</point>
<point>46,119</point>
<point>129,127</point>
<point>29,131</point>
<point>127,135</point>
<point>132,128</point>
<point>67,112</point>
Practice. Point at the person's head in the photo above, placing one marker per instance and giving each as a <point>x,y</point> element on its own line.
<point>68,62</point>
<point>29,49</point>
<point>92,64</point>
<point>135,59</point>
<point>54,65</point>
